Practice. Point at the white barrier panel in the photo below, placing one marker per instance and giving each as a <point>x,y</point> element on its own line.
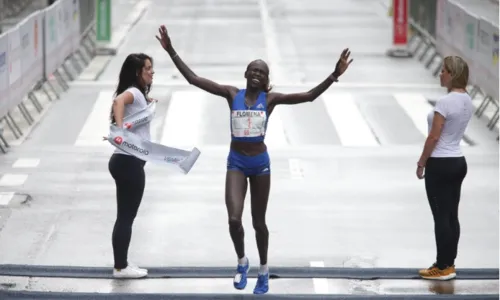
<point>4,74</point>
<point>51,39</point>
<point>459,31</point>
<point>62,33</point>
<point>75,26</point>
<point>15,67</point>
<point>487,56</point>
<point>30,32</point>
<point>468,43</point>
<point>64,12</point>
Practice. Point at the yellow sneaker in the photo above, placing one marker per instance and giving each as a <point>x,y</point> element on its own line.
<point>435,273</point>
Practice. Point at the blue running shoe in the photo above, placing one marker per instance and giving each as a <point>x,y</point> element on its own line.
<point>262,285</point>
<point>240,279</point>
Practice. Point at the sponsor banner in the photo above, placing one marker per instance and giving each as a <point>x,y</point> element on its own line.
<point>4,74</point>
<point>464,31</point>
<point>400,23</point>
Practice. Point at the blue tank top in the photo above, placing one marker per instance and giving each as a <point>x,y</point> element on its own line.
<point>248,124</point>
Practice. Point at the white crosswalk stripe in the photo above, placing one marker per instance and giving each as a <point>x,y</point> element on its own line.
<point>194,117</point>
<point>97,124</point>
<point>276,132</point>
<point>181,127</point>
<point>349,122</point>
<point>417,107</point>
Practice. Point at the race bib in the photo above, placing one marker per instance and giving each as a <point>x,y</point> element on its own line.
<point>248,123</point>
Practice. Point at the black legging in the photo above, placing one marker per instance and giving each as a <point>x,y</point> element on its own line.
<point>236,189</point>
<point>128,173</point>
<point>443,184</point>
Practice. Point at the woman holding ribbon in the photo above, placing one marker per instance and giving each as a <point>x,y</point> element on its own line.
<point>136,77</point>
<point>248,158</point>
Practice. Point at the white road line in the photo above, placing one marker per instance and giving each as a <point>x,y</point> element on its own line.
<point>320,284</point>
<point>5,198</point>
<point>277,83</point>
<point>182,124</point>
<point>349,123</point>
<point>97,124</point>
<point>275,135</point>
<point>155,126</point>
<point>295,168</point>
<point>272,48</point>
<point>13,179</point>
<point>26,163</point>
<point>417,108</point>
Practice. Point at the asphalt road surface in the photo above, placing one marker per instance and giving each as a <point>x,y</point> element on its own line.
<point>344,190</point>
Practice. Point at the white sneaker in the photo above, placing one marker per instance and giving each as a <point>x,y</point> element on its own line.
<point>130,272</point>
<point>136,267</point>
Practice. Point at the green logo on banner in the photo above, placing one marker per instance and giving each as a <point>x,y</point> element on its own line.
<point>469,31</point>
<point>103,15</point>
<point>52,29</point>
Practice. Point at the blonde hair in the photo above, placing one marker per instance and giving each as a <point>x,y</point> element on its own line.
<point>459,70</point>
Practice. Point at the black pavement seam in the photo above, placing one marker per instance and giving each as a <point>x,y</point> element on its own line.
<point>21,295</point>
<point>228,272</point>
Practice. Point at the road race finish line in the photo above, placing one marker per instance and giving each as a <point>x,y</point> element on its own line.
<point>228,272</point>
<point>22,295</point>
<point>131,143</point>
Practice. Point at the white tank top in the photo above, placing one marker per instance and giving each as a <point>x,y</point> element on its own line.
<point>138,104</point>
<point>457,110</point>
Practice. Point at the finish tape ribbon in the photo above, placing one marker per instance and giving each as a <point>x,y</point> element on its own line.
<point>132,144</point>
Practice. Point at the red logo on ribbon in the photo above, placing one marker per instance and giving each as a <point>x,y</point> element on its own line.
<point>128,125</point>
<point>118,140</point>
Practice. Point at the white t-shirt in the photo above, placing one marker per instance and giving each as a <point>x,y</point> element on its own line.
<point>457,109</point>
<point>138,104</point>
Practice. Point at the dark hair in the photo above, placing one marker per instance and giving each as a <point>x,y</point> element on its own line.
<point>130,76</point>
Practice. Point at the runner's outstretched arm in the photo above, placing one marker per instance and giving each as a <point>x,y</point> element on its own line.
<point>207,85</point>
<point>311,95</point>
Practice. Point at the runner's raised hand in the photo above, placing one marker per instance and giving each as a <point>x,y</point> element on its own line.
<point>164,39</point>
<point>343,62</point>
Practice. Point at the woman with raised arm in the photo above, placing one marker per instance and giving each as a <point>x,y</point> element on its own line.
<point>248,158</point>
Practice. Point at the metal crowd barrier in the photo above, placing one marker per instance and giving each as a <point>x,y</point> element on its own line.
<point>45,50</point>
<point>468,29</point>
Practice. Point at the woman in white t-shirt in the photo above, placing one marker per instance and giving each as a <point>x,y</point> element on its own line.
<point>136,77</point>
<point>445,165</point>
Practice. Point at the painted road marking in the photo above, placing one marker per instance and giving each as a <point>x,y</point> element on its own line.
<point>97,124</point>
<point>13,179</point>
<point>320,284</point>
<point>183,121</point>
<point>351,126</point>
<point>5,198</point>
<point>417,108</point>
<point>26,163</point>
